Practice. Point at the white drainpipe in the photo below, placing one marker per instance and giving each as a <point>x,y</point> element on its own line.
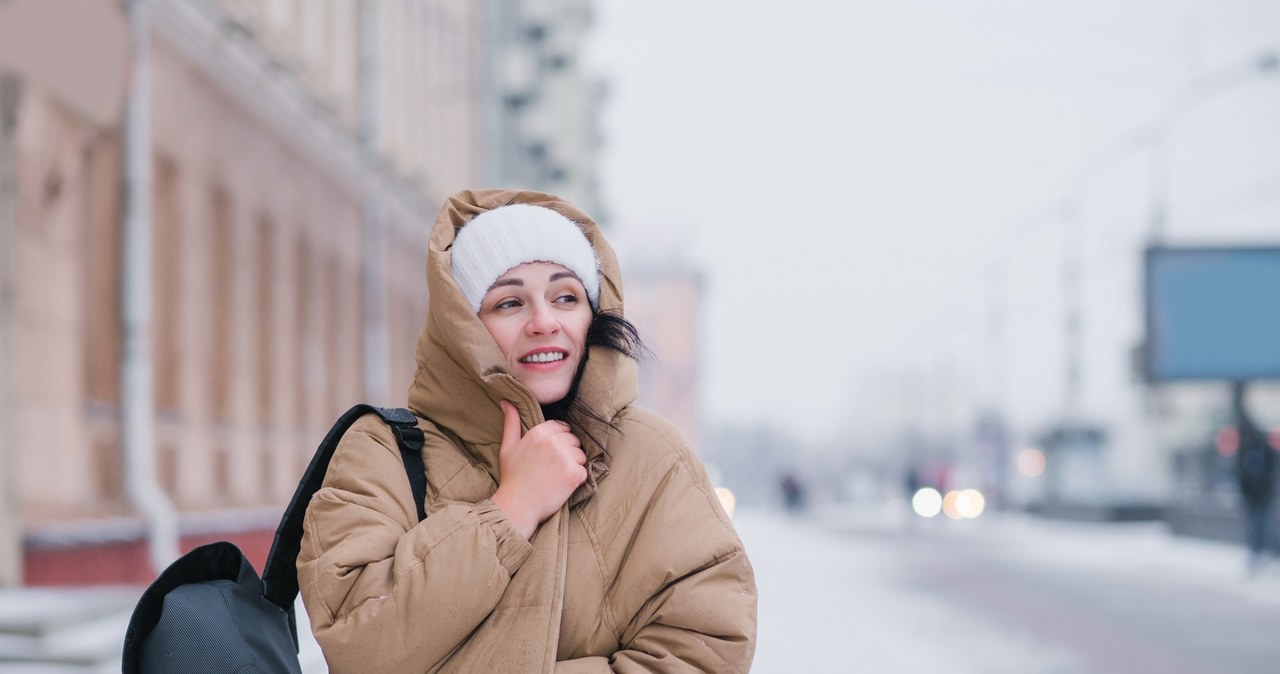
<point>10,515</point>
<point>137,395</point>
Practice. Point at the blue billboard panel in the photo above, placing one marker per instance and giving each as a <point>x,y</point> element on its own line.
<point>1213,313</point>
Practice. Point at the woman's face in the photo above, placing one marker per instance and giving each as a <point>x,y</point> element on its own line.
<point>538,313</point>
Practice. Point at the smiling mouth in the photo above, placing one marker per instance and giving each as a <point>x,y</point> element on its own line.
<point>545,357</point>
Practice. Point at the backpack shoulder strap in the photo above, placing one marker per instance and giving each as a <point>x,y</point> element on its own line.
<point>280,576</point>
<point>410,439</point>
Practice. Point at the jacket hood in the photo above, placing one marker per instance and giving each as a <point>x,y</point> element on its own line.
<point>461,374</point>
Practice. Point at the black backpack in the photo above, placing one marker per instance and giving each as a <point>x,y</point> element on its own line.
<point>208,612</point>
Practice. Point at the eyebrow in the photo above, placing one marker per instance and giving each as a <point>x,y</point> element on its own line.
<point>517,282</point>
<point>564,274</point>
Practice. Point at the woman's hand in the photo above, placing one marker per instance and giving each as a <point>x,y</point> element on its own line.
<point>539,471</point>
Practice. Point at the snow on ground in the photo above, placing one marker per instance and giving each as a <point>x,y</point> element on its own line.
<point>834,595</point>
<point>822,608</point>
<point>829,600</point>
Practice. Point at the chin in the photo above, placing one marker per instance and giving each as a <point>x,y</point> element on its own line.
<point>550,397</point>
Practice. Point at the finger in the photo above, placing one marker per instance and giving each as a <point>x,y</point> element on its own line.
<point>554,429</point>
<point>510,424</point>
<point>568,440</point>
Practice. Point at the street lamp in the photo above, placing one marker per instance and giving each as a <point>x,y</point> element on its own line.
<point>1154,135</point>
<point>1159,129</point>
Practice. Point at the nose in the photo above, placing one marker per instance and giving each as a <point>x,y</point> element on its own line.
<point>542,319</point>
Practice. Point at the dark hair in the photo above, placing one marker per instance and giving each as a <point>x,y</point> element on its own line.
<point>611,331</point>
<point>608,330</point>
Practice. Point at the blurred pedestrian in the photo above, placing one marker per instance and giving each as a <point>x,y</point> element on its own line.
<point>567,529</point>
<point>793,493</point>
<point>912,481</point>
<point>1255,467</point>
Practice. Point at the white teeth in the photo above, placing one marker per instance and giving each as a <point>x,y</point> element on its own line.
<point>546,357</point>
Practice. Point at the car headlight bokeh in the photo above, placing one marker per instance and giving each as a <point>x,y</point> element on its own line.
<point>927,502</point>
<point>956,504</point>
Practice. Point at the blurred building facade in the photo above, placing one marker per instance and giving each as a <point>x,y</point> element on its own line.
<point>546,132</point>
<point>664,301</point>
<point>298,151</point>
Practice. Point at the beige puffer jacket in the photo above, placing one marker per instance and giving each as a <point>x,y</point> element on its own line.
<point>640,572</point>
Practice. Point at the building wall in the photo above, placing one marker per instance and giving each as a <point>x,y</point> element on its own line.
<point>258,236</point>
<point>292,171</point>
<point>57,477</point>
<point>247,230</point>
<point>663,302</point>
<point>547,131</point>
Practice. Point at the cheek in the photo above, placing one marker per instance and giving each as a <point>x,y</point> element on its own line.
<point>580,328</point>
<point>503,334</point>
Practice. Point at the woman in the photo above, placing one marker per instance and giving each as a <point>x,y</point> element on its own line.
<point>567,529</point>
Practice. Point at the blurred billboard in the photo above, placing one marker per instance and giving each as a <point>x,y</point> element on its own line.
<point>1212,313</point>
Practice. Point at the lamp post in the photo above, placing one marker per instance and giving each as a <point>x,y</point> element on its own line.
<point>1155,135</point>
<point>1160,128</point>
<point>1159,133</point>
<point>1067,211</point>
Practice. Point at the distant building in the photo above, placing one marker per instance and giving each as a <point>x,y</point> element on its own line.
<point>664,302</point>
<point>546,132</point>
<point>298,152</point>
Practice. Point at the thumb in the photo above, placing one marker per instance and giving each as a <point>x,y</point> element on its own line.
<point>510,424</point>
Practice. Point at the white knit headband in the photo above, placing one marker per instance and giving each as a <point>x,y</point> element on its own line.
<point>508,236</point>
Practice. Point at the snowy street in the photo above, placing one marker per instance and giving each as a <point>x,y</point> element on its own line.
<point>863,592</point>
<point>842,592</point>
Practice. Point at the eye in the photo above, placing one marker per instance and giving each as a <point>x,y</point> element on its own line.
<point>509,303</point>
<point>567,298</point>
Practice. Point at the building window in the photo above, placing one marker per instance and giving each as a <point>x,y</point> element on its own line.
<point>266,348</point>
<point>266,278</point>
<point>167,469</point>
<point>221,305</point>
<point>302,332</point>
<point>167,286</point>
<point>331,351</point>
<point>101,264</point>
<point>222,470</point>
<point>108,469</point>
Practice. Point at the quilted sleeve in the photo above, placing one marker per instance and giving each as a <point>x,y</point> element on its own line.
<point>384,592</point>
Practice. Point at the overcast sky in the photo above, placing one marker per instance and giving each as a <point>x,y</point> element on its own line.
<point>864,184</point>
